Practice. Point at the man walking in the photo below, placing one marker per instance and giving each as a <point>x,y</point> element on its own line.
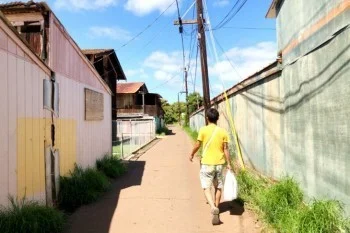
<point>215,155</point>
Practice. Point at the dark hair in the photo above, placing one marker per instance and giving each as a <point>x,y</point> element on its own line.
<point>212,115</point>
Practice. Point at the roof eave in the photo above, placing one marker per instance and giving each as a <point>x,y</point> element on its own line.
<point>272,13</point>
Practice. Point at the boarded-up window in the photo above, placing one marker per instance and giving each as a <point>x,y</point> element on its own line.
<point>93,105</point>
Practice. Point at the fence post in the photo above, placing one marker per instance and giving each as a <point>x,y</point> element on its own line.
<point>121,145</point>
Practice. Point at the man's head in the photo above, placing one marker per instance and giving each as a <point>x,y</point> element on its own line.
<point>212,115</point>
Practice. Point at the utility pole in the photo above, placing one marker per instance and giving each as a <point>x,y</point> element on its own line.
<point>203,53</point>
<point>186,90</point>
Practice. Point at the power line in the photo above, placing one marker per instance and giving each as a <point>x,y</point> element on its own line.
<point>149,42</point>
<point>231,14</point>
<point>141,32</point>
<point>223,51</point>
<point>228,13</point>
<point>165,82</point>
<point>246,28</point>
<point>181,31</point>
<point>195,71</point>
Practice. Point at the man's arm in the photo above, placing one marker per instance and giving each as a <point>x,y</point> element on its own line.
<point>227,155</point>
<point>195,149</point>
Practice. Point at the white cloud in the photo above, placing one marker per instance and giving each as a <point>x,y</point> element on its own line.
<point>84,4</point>
<point>139,74</point>
<point>113,33</point>
<point>246,60</point>
<point>144,7</point>
<point>165,65</point>
<point>221,3</point>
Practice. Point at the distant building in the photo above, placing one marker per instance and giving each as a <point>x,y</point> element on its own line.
<point>134,100</point>
<point>108,66</point>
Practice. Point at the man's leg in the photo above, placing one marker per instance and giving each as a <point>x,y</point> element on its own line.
<point>218,184</point>
<point>209,197</point>
<point>217,196</point>
<point>207,174</point>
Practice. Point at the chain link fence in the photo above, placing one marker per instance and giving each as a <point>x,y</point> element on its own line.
<point>131,135</point>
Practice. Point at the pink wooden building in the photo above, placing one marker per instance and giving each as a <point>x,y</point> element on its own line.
<point>55,107</point>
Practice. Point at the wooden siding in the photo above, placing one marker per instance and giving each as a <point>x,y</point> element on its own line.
<point>93,138</point>
<point>22,130</point>
<point>67,59</point>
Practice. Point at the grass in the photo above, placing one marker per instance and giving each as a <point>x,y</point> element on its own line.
<point>30,217</point>
<point>83,186</point>
<point>111,166</point>
<point>281,206</point>
<point>192,133</point>
<point>127,150</point>
<point>281,203</point>
<point>323,216</point>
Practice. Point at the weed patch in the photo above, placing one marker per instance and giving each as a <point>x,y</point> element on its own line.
<point>111,166</point>
<point>83,186</point>
<point>281,206</point>
<point>30,217</point>
<point>323,216</point>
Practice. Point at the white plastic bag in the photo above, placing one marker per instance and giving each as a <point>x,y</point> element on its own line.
<point>230,186</point>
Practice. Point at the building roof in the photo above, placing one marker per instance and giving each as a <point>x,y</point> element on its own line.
<point>96,51</point>
<point>98,54</point>
<point>272,12</point>
<point>43,7</point>
<point>25,43</point>
<point>130,88</point>
<point>29,6</point>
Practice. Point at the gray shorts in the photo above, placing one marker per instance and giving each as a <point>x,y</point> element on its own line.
<point>211,175</point>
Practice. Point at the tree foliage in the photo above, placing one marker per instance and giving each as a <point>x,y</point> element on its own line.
<point>195,100</point>
<point>174,112</point>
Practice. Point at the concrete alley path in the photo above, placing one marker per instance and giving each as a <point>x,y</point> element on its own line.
<point>161,193</point>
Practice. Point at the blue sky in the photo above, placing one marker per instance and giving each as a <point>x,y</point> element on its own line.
<point>155,57</point>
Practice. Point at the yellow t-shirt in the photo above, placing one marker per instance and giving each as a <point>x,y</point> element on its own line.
<point>214,154</point>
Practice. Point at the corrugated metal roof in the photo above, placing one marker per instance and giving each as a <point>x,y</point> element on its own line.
<point>129,88</point>
<point>24,6</point>
<point>10,4</point>
<point>95,51</point>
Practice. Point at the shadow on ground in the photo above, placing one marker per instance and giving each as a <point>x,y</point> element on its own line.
<point>97,217</point>
<point>235,207</point>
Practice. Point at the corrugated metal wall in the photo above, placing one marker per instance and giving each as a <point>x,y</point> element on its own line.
<point>298,123</point>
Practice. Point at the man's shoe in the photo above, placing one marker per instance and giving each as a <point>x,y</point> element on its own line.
<point>215,216</point>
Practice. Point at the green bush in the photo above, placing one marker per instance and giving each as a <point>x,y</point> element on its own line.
<point>111,166</point>
<point>324,216</point>
<point>30,217</point>
<point>81,187</point>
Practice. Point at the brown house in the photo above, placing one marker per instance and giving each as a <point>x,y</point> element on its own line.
<point>133,99</point>
<point>108,66</point>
